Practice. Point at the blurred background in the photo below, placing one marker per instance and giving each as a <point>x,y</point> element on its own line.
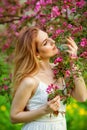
<point>60,18</point>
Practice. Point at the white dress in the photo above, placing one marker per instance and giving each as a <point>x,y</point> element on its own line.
<point>45,122</point>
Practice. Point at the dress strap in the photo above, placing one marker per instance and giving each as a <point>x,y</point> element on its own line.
<point>37,79</point>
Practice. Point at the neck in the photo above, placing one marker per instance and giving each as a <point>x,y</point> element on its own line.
<point>45,65</point>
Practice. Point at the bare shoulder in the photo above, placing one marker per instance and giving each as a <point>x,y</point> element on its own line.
<point>23,94</point>
<point>28,81</point>
<point>26,87</point>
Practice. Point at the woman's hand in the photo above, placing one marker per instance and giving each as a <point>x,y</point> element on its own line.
<point>53,105</point>
<point>72,48</point>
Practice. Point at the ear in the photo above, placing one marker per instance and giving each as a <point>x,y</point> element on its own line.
<point>38,56</point>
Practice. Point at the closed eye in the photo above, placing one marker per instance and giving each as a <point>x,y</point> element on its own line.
<point>45,43</point>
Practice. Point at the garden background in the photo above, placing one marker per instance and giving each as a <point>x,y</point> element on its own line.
<point>60,18</point>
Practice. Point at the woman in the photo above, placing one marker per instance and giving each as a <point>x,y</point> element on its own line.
<point>32,75</point>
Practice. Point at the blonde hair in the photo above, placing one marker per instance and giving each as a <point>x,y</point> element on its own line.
<point>25,62</point>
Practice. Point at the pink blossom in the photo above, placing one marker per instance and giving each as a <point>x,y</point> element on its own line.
<point>13,26</point>
<point>84,54</point>
<point>83,42</point>
<point>16,34</point>
<point>37,7</point>
<point>5,46</point>
<point>73,10</point>
<point>65,23</point>
<point>55,12</point>
<point>80,4</point>
<point>57,60</point>
<point>49,89</point>
<point>56,87</point>
<point>5,78</point>
<point>1,10</point>
<point>48,1</point>
<point>67,73</point>
<point>73,56</point>
<point>70,26</point>
<point>65,1</point>
<point>55,71</point>
<point>59,31</point>
<point>43,20</point>
<point>52,88</point>
<point>5,87</point>
<point>42,2</point>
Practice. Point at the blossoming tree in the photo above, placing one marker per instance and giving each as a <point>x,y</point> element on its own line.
<point>60,19</point>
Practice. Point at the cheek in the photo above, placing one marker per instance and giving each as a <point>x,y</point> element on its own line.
<point>46,50</point>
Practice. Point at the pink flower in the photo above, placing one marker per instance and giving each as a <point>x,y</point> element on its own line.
<point>67,73</point>
<point>16,34</point>
<point>13,26</point>
<point>55,71</point>
<point>65,23</point>
<point>1,10</point>
<point>73,56</point>
<point>59,59</point>
<point>59,31</point>
<point>80,4</point>
<point>84,54</point>
<point>73,10</point>
<point>37,7</point>
<point>42,2</point>
<point>5,46</point>
<point>83,42</point>
<point>70,26</point>
<point>49,89</point>
<point>5,87</point>
<point>52,88</point>
<point>56,87</point>
<point>48,1</point>
<point>55,12</point>
<point>43,20</point>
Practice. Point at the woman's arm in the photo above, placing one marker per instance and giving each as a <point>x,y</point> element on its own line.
<point>80,91</point>
<point>22,96</point>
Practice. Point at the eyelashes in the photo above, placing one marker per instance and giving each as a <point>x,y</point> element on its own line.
<point>45,43</point>
<point>49,40</point>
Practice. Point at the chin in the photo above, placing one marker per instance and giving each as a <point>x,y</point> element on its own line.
<point>54,54</point>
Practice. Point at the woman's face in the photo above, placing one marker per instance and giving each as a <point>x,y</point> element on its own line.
<point>46,46</point>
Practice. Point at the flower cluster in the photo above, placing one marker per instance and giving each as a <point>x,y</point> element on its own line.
<point>68,69</point>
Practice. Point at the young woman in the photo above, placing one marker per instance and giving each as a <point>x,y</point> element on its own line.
<point>32,75</point>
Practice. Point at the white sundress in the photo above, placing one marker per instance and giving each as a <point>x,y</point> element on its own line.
<point>45,122</point>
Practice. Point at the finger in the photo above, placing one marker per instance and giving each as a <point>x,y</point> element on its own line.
<point>55,99</point>
<point>72,42</point>
<point>56,104</point>
<point>71,48</point>
<point>71,53</point>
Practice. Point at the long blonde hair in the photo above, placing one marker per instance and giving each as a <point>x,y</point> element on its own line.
<point>25,62</point>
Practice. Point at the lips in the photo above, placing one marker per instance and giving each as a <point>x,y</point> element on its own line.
<point>54,47</point>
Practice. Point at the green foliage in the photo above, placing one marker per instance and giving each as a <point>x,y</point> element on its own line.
<point>5,77</point>
<point>5,123</point>
<point>76,116</point>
